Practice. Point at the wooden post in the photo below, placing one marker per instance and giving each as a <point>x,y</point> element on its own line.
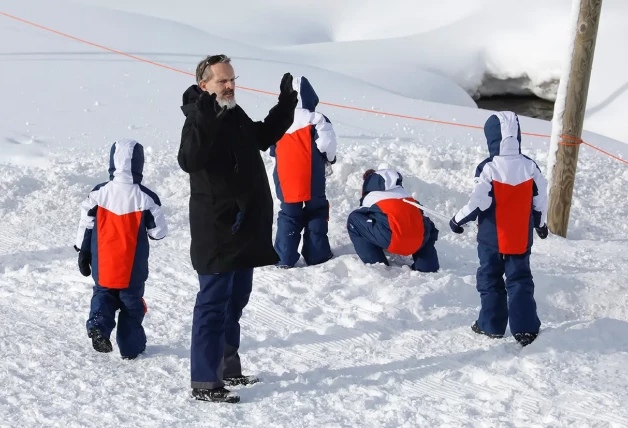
<point>564,172</point>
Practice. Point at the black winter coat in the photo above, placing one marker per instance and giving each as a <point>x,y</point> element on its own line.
<point>231,207</point>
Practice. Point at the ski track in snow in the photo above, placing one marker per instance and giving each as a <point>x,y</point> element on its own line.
<point>341,344</point>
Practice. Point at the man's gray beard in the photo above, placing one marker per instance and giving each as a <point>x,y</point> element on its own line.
<point>227,103</point>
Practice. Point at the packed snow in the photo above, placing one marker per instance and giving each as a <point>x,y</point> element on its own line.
<point>341,344</point>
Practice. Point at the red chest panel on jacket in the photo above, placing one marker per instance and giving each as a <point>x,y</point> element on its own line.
<point>406,224</point>
<point>294,165</point>
<point>513,205</point>
<point>117,241</point>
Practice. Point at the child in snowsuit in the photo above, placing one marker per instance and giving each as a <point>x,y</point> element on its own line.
<point>302,156</point>
<point>390,220</point>
<point>117,218</point>
<point>509,200</point>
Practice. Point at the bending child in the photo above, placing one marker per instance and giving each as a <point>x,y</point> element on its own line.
<point>389,219</point>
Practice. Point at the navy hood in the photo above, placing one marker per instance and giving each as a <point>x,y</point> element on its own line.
<point>189,98</point>
<point>503,134</point>
<point>307,96</point>
<point>126,162</point>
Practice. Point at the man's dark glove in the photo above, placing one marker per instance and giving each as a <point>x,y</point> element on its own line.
<point>455,227</point>
<point>287,93</point>
<point>542,231</point>
<point>84,262</point>
<point>208,106</point>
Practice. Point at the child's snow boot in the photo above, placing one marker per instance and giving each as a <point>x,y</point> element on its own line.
<point>99,342</point>
<point>216,395</point>
<point>525,339</point>
<point>132,357</point>
<point>476,329</point>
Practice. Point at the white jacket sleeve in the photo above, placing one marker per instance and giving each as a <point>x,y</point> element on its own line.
<point>540,201</point>
<point>326,141</point>
<point>86,223</point>
<point>480,200</point>
<point>158,227</point>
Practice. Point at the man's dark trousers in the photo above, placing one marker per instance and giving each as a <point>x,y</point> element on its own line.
<point>216,327</point>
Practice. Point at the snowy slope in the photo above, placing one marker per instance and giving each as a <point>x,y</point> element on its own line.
<point>340,344</point>
<point>128,101</point>
<point>393,44</point>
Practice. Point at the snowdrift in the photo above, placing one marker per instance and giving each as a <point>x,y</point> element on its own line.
<point>425,49</point>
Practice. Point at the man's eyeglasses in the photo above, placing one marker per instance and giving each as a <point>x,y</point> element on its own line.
<point>209,61</point>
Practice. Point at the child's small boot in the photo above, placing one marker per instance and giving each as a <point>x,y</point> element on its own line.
<point>99,342</point>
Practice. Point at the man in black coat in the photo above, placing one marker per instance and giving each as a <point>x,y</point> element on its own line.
<point>231,216</point>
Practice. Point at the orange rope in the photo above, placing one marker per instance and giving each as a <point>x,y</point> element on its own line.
<point>606,153</point>
<point>579,141</point>
<point>384,113</point>
<point>95,45</point>
<point>576,141</point>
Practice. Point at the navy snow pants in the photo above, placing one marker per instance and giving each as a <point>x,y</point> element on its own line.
<point>216,327</point>
<point>312,217</point>
<point>130,336</point>
<point>426,259</point>
<point>369,240</point>
<point>512,300</point>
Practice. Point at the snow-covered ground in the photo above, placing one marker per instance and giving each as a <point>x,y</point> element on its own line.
<point>340,344</point>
